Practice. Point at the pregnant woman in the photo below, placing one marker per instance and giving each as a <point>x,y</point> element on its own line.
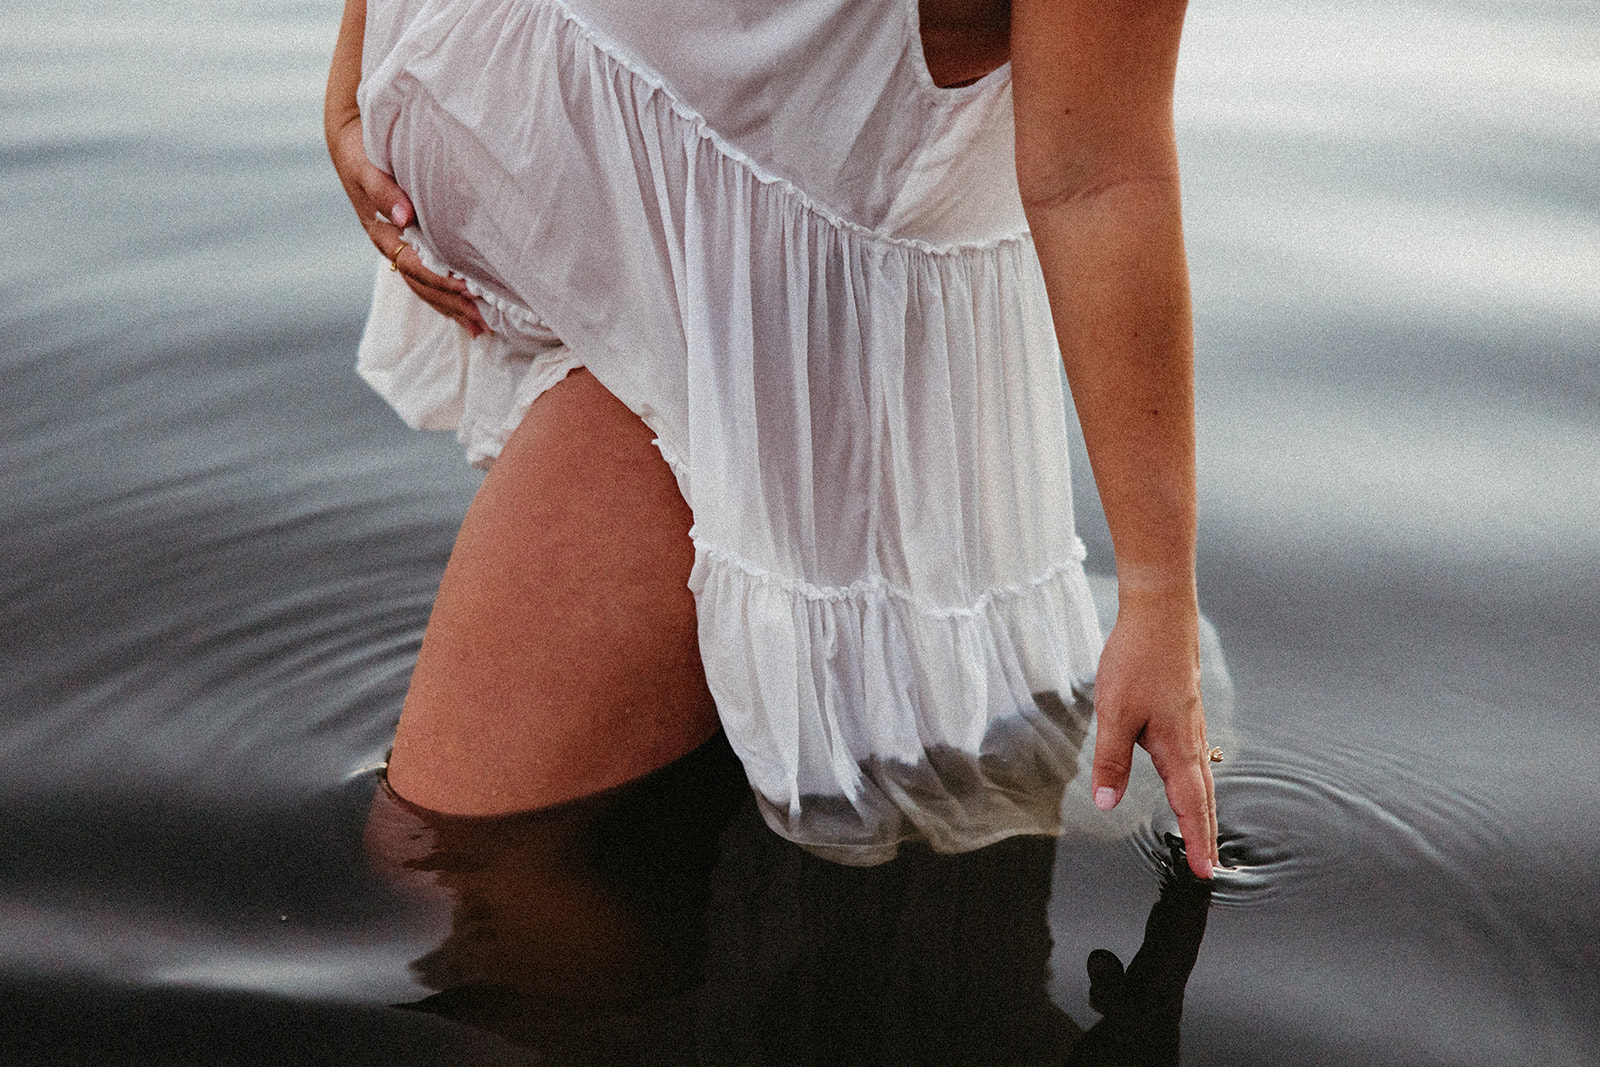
<point>758,308</point>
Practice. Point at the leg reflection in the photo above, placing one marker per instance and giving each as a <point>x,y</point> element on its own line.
<point>573,929</point>
<point>662,923</point>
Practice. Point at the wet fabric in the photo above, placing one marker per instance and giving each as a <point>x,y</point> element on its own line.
<point>805,267</point>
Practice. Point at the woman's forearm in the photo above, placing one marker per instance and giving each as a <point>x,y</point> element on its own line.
<point>1119,292</point>
<point>1097,166</point>
<point>339,108</point>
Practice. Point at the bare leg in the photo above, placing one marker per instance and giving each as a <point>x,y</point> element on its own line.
<point>561,657</point>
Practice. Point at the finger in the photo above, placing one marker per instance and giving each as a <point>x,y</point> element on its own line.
<point>1188,796</point>
<point>386,196</point>
<point>1105,980</point>
<point>409,262</point>
<point>459,309</point>
<point>1211,807</point>
<point>1113,759</point>
<point>387,239</point>
<point>392,245</point>
<point>456,306</point>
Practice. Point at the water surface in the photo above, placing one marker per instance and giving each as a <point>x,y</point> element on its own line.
<point>221,550</point>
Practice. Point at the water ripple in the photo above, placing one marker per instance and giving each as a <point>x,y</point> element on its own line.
<point>1297,815</point>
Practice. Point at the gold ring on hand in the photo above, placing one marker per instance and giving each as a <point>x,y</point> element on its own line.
<point>394,260</point>
<point>1215,755</point>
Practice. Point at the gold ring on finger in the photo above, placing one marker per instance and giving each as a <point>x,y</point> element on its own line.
<point>1215,754</point>
<point>394,260</point>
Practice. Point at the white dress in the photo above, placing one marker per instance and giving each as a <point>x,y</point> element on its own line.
<point>763,228</point>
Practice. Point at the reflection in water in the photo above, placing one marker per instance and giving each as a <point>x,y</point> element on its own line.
<point>220,550</point>
<point>570,929</point>
<point>1143,1003</point>
<point>663,923</point>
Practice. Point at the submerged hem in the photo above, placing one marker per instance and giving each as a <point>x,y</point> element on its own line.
<point>871,855</point>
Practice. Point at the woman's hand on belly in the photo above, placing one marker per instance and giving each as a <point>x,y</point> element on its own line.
<point>381,205</point>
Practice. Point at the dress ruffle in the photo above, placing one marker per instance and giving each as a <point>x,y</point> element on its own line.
<point>865,411</point>
<point>887,746</point>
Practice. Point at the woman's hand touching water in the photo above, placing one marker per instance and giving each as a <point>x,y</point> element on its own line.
<point>381,205</point>
<point>1097,166</point>
<point>1147,693</point>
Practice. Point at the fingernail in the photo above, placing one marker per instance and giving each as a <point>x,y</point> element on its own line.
<point>397,214</point>
<point>1205,866</point>
<point>1105,798</point>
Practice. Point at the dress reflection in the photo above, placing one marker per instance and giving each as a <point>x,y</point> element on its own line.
<point>663,923</point>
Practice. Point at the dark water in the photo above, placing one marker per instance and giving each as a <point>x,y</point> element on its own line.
<point>220,550</point>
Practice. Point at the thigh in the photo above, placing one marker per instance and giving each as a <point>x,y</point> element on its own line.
<point>561,657</point>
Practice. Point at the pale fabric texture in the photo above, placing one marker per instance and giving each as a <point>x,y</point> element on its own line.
<point>762,227</point>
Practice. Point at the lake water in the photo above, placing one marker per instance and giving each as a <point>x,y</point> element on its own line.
<point>220,550</point>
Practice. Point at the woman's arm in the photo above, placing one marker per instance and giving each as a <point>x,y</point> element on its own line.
<point>1098,168</point>
<point>381,205</point>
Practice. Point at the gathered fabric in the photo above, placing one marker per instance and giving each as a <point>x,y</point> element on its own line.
<point>766,231</point>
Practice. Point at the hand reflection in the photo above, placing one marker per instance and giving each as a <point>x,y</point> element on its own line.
<point>648,926</point>
<point>1141,1006</point>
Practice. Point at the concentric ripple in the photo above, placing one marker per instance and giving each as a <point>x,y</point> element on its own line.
<point>1297,811</point>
